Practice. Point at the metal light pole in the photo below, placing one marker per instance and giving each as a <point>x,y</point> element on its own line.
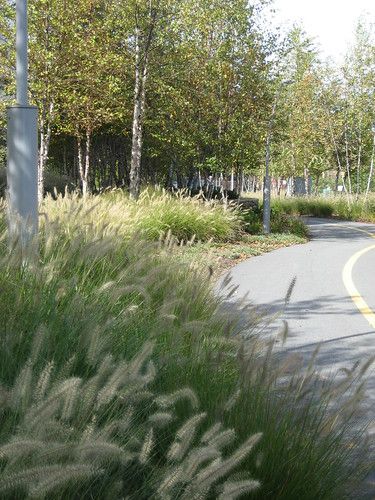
<point>267,179</point>
<point>22,142</point>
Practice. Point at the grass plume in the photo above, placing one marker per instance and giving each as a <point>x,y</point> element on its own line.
<point>110,353</point>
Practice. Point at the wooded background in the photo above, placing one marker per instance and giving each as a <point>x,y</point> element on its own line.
<point>161,91</point>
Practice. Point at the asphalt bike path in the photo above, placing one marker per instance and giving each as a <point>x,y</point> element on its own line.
<point>333,300</point>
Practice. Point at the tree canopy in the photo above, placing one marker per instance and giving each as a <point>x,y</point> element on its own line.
<point>162,89</point>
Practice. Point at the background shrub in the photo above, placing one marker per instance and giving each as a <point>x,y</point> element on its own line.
<point>282,221</point>
<point>356,209</point>
<point>316,207</point>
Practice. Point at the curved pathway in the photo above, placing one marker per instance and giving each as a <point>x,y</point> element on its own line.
<point>332,302</point>
<point>333,272</point>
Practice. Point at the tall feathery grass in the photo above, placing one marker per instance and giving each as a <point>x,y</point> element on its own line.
<point>101,436</point>
<point>83,414</point>
<point>153,215</point>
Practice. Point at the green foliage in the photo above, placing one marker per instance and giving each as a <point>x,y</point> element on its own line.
<point>316,207</point>
<point>359,210</point>
<point>213,77</point>
<point>72,326</point>
<point>206,93</point>
<point>302,144</point>
<point>207,104</point>
<point>282,221</point>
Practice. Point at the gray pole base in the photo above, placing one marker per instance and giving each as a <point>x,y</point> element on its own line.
<point>22,174</point>
<point>267,205</point>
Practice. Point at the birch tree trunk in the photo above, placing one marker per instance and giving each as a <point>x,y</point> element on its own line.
<point>242,185</point>
<point>316,190</point>
<point>80,164</point>
<point>86,167</point>
<point>141,73</point>
<point>306,178</point>
<point>136,153</point>
<point>279,181</point>
<point>371,170</point>
<point>358,171</point>
<point>339,166</point>
<point>41,162</point>
<point>359,159</point>
<point>45,139</point>
<point>347,162</point>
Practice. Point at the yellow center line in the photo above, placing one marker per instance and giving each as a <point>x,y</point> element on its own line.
<point>347,278</point>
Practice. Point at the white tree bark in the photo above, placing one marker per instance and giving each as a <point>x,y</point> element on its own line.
<point>80,164</point>
<point>371,170</point>
<point>45,139</point>
<point>339,166</point>
<point>347,162</point>
<point>359,158</point>
<point>141,74</point>
<point>139,96</point>
<point>84,162</point>
<point>306,179</point>
<point>85,184</point>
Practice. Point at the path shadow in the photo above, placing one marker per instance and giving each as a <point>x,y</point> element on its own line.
<point>321,229</point>
<point>334,355</point>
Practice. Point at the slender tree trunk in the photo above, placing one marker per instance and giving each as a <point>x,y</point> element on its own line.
<point>316,190</point>
<point>180,179</point>
<point>138,116</point>
<point>279,181</point>
<point>358,190</point>
<point>80,164</point>
<point>306,178</point>
<point>45,139</point>
<point>242,185</point>
<point>339,166</point>
<point>371,170</point>
<point>46,113</point>
<point>232,180</point>
<point>141,73</point>
<point>170,175</point>
<point>86,169</point>
<point>359,158</point>
<point>64,160</point>
<point>337,177</point>
<point>347,161</point>
<point>136,153</point>
<point>290,187</point>
<point>41,162</point>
